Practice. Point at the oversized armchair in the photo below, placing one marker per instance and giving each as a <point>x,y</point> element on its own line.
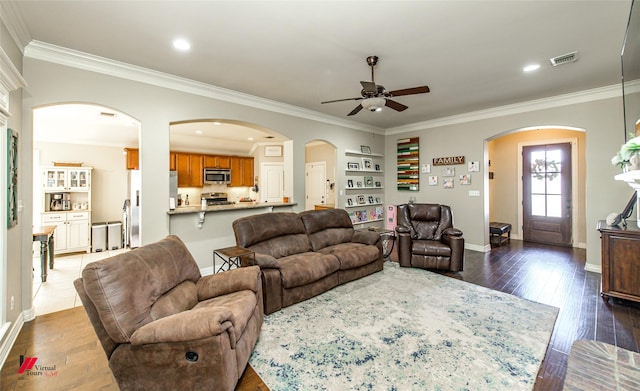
<point>163,326</point>
<point>426,238</point>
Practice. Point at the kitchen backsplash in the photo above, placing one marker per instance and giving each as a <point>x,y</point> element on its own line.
<point>233,193</point>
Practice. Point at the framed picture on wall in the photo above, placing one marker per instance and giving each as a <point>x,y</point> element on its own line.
<point>349,201</point>
<point>273,150</point>
<point>361,200</point>
<point>367,163</point>
<point>368,181</point>
<point>349,182</point>
<point>353,166</point>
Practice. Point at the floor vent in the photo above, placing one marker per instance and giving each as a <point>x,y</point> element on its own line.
<point>564,59</point>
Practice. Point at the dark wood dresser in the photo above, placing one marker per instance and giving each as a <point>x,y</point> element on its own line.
<point>620,261</point>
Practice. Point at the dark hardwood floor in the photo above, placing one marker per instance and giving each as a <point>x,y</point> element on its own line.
<point>545,274</point>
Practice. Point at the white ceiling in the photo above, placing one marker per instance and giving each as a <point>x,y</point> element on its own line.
<point>470,53</point>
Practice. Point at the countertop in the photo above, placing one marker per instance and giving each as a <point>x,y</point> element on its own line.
<point>222,208</point>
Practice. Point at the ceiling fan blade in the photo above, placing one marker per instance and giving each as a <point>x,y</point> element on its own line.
<point>395,105</point>
<point>341,100</point>
<point>355,111</point>
<point>410,91</point>
<point>369,87</point>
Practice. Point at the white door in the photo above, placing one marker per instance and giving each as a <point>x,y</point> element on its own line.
<point>271,182</point>
<point>315,185</point>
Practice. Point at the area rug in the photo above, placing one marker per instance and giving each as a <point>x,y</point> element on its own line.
<point>405,329</point>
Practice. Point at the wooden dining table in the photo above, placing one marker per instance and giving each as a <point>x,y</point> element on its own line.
<point>44,235</point>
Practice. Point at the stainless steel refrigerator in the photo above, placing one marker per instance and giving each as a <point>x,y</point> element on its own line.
<point>131,211</point>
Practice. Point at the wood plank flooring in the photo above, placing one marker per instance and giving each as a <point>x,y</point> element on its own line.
<point>546,274</point>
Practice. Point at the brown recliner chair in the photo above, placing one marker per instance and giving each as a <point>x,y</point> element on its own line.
<point>163,326</point>
<point>427,239</point>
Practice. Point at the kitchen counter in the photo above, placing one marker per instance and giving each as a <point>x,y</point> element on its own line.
<point>221,208</point>
<point>203,231</point>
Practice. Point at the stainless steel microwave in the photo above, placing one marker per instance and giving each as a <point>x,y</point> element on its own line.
<point>217,176</point>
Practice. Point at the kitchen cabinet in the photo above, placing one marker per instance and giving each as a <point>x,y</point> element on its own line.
<point>72,231</point>
<point>620,261</point>
<point>212,161</point>
<point>241,171</point>
<point>172,161</point>
<point>133,158</point>
<point>72,225</point>
<point>66,179</point>
<point>190,169</point>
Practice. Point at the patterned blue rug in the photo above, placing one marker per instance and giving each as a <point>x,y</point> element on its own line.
<point>405,329</point>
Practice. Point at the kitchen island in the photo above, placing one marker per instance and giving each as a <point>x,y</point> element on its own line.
<point>204,230</point>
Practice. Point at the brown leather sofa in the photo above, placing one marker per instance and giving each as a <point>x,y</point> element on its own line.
<point>302,255</point>
<point>426,238</point>
<point>163,326</point>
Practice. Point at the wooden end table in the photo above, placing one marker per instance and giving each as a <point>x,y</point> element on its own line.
<point>44,235</point>
<point>230,256</point>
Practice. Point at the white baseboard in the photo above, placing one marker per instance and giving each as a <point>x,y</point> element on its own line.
<point>593,268</point>
<point>206,271</point>
<point>11,339</point>
<point>477,247</point>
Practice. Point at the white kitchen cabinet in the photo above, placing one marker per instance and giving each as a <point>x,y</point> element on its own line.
<point>72,231</point>
<point>66,179</point>
<point>73,225</point>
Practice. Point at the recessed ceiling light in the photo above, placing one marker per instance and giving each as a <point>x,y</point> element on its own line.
<point>531,68</point>
<point>198,131</point>
<point>181,44</point>
<point>250,138</point>
<point>217,123</point>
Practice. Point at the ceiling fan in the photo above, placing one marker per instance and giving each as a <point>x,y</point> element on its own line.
<point>374,96</point>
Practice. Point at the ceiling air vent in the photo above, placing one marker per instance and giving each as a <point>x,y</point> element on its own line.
<point>564,59</point>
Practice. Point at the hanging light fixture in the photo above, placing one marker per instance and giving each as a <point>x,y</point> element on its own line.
<point>373,104</point>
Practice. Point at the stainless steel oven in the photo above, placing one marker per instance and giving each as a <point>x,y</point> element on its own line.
<point>217,176</point>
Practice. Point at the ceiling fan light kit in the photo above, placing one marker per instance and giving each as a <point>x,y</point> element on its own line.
<point>375,96</point>
<point>373,104</point>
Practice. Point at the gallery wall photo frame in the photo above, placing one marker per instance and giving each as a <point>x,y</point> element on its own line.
<point>367,163</point>
<point>353,166</point>
<point>365,149</point>
<point>273,150</point>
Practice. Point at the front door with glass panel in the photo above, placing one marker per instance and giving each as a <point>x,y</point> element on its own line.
<point>546,194</point>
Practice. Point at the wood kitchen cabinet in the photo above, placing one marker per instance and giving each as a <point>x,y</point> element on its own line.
<point>189,167</point>
<point>620,261</point>
<point>172,161</point>
<point>133,158</point>
<point>212,161</point>
<point>241,171</point>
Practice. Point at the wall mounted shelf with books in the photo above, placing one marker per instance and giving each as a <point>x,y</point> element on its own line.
<point>364,173</point>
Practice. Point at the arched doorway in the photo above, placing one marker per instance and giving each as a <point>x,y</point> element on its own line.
<point>83,142</point>
<point>505,175</point>
<point>320,175</point>
<point>254,155</point>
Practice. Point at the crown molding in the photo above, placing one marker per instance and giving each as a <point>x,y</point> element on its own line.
<point>517,108</point>
<point>10,77</point>
<point>15,24</point>
<point>56,54</point>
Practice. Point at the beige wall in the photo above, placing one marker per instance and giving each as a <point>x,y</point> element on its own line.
<point>504,156</point>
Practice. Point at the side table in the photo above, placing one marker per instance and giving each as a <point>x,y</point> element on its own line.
<point>387,237</point>
<point>230,256</point>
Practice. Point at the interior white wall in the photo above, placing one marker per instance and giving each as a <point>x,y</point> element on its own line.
<point>602,120</point>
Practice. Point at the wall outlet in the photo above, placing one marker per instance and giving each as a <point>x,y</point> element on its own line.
<point>13,302</point>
